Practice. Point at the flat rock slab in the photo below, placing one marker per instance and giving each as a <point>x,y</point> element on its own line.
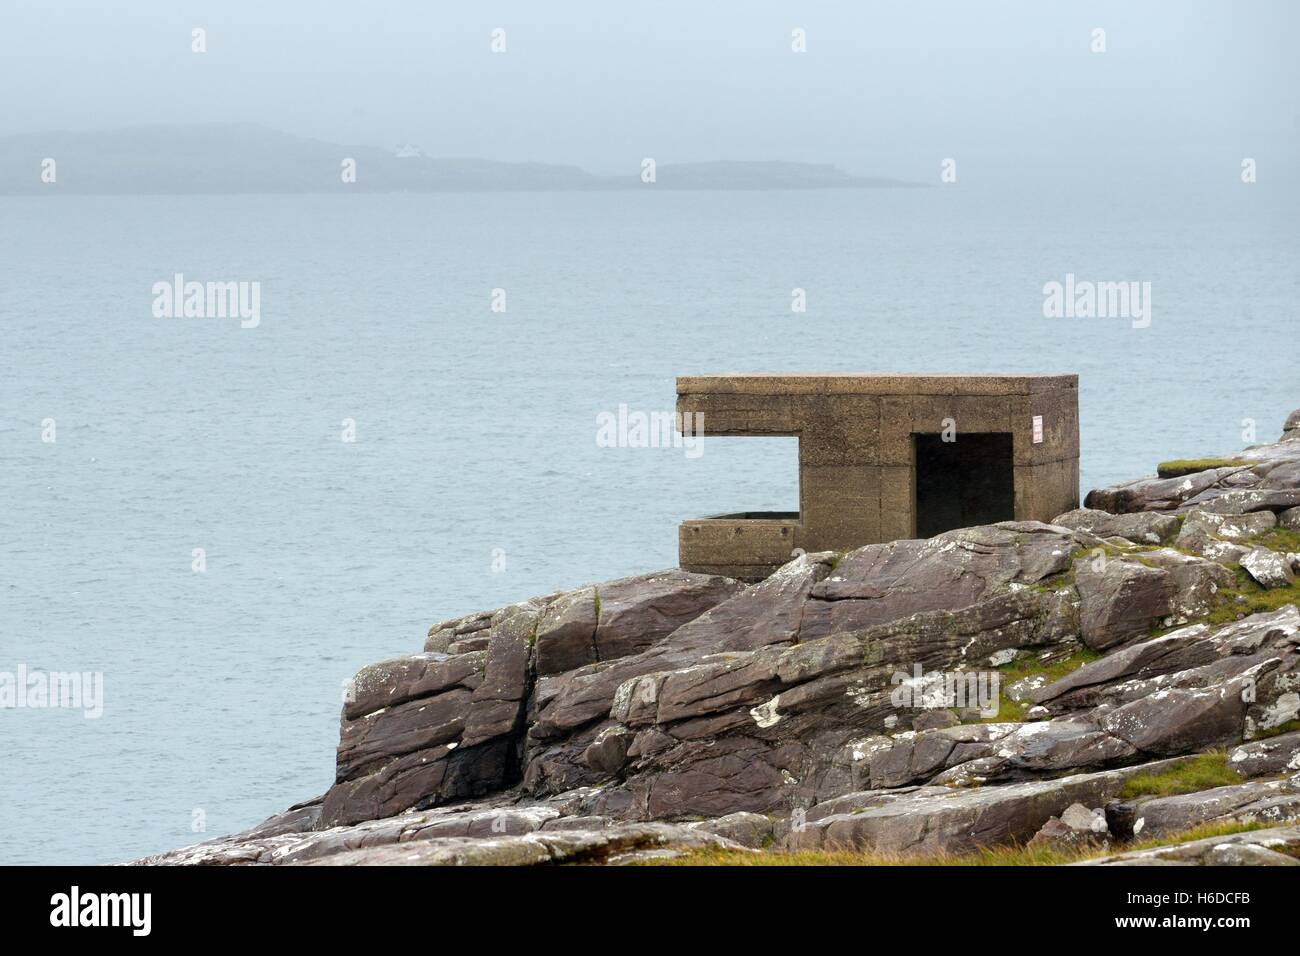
<point>618,844</point>
<point>935,820</point>
<point>1268,481</point>
<point>1280,754</point>
<point>1273,801</point>
<point>1277,846</point>
<point>1146,527</point>
<point>954,570</point>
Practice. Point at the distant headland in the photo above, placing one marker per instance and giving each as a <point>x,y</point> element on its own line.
<point>248,158</point>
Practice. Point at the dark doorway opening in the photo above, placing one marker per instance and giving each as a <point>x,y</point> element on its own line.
<point>965,482</point>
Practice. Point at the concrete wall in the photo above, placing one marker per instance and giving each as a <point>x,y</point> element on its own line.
<point>856,479</point>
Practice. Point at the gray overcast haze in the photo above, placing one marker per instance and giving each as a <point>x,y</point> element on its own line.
<point>1010,89</point>
<point>377,401</point>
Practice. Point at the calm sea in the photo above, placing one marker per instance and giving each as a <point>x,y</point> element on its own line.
<point>475,478</point>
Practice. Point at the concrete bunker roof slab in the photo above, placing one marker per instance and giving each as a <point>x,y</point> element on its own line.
<point>883,383</point>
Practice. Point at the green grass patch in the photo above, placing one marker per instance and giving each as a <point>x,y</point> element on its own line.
<point>1291,726</point>
<point>1031,666</point>
<point>1253,599</point>
<point>1202,832</point>
<point>992,856</point>
<point>1010,711</point>
<point>1202,772</point>
<point>1178,467</point>
<point>1279,539</point>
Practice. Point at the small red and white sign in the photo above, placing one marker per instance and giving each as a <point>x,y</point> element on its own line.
<point>1038,429</point>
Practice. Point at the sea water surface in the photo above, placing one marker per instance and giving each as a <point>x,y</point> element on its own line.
<point>475,478</point>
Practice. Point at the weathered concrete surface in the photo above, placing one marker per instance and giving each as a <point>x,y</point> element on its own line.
<point>857,455</point>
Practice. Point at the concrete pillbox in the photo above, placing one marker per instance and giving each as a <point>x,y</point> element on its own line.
<point>887,456</point>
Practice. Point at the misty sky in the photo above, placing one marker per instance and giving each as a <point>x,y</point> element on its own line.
<point>884,88</point>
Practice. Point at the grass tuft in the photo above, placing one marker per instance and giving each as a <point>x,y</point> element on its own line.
<point>1291,726</point>
<point>1279,539</point>
<point>1010,711</point>
<point>1202,772</point>
<point>1178,467</point>
<point>990,856</point>
<point>1253,599</point>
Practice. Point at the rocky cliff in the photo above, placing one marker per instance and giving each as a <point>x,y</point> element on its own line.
<point>1143,654</point>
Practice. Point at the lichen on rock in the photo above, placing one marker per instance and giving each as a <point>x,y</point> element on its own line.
<point>669,712</point>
